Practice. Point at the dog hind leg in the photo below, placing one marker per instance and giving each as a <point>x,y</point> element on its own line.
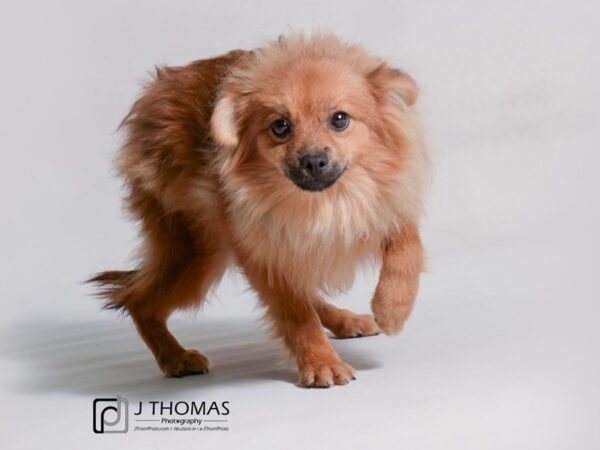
<point>344,323</point>
<point>178,270</point>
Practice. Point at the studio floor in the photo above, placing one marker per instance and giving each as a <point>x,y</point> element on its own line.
<point>499,353</point>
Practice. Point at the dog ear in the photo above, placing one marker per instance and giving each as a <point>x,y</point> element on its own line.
<point>223,123</point>
<point>230,104</point>
<point>394,86</point>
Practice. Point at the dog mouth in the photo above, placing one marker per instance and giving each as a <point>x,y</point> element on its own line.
<point>315,181</point>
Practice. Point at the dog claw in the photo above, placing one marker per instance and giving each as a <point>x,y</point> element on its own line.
<point>326,375</point>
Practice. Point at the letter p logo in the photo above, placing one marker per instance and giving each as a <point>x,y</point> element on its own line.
<point>111,415</point>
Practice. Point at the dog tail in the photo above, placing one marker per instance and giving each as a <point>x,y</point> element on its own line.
<point>112,286</point>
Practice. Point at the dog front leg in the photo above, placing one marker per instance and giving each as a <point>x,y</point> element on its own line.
<point>402,263</point>
<point>297,323</point>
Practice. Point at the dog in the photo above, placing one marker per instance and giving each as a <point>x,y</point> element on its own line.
<point>297,162</point>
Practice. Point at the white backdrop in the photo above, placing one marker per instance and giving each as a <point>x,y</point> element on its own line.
<point>502,350</point>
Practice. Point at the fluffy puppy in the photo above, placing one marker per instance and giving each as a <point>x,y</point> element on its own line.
<point>295,162</point>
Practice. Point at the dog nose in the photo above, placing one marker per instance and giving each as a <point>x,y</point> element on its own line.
<point>314,163</point>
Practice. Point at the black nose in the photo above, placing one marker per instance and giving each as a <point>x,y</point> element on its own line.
<point>314,163</point>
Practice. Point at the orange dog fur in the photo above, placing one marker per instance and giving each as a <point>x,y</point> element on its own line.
<point>297,162</point>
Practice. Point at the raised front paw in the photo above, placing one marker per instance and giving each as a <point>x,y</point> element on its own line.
<point>390,315</point>
<point>189,362</point>
<point>325,375</point>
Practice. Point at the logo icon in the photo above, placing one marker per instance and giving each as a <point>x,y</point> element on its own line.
<point>111,415</point>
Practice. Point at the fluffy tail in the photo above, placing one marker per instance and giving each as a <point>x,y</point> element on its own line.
<point>112,285</point>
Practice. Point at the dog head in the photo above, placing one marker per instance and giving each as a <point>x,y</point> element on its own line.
<point>307,112</point>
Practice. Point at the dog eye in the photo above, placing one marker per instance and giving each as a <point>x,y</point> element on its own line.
<point>340,121</point>
<point>281,128</point>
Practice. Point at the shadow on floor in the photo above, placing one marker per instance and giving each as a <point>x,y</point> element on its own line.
<point>108,357</point>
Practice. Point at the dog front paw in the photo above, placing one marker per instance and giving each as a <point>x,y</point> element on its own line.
<point>390,315</point>
<point>190,362</point>
<point>326,375</point>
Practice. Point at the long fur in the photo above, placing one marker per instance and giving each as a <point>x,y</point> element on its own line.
<point>110,284</point>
